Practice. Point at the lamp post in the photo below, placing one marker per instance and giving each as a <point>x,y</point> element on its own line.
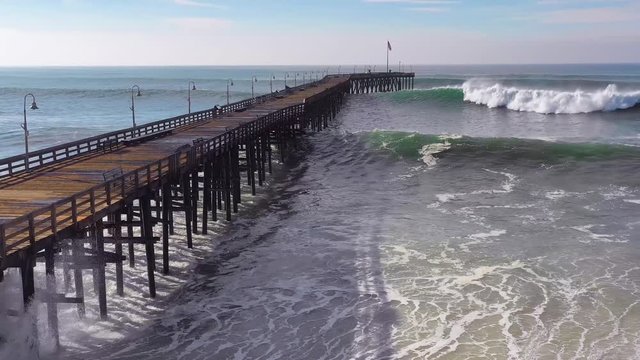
<point>229,83</point>
<point>26,129</point>
<point>286,75</point>
<point>273,77</point>
<point>133,105</point>
<point>253,81</point>
<point>295,79</point>
<point>189,97</point>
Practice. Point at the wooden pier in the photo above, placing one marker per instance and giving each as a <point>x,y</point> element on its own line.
<point>88,203</point>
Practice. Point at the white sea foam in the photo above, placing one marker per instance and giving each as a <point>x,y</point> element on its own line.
<point>428,151</point>
<point>481,238</point>
<point>549,101</point>
<point>443,198</point>
<point>492,233</point>
<point>607,238</point>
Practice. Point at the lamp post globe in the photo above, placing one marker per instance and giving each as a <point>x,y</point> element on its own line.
<point>26,128</point>
<point>191,87</point>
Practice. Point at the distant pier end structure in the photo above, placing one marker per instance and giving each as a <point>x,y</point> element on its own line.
<point>380,82</point>
<point>88,204</point>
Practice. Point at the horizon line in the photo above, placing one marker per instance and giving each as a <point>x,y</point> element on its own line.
<point>319,65</point>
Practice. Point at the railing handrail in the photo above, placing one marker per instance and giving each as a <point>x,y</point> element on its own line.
<point>381,75</point>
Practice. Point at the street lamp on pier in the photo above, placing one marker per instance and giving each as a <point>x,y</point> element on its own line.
<point>190,87</point>
<point>229,83</point>
<point>273,77</point>
<point>286,76</point>
<point>133,105</point>
<point>253,81</point>
<point>295,79</point>
<point>26,129</point>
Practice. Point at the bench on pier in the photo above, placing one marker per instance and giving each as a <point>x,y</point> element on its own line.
<point>108,145</point>
<point>112,174</point>
<point>143,138</point>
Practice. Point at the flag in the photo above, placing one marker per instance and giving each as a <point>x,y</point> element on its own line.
<point>389,46</point>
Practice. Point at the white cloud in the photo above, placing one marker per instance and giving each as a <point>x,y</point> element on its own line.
<point>197,3</point>
<point>592,16</point>
<point>200,23</point>
<point>430,10</point>
<point>418,2</point>
<point>424,6</point>
<point>568,2</point>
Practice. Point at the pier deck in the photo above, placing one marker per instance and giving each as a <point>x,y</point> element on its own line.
<point>25,193</point>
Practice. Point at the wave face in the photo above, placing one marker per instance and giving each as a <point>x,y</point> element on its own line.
<point>427,147</point>
<point>549,101</point>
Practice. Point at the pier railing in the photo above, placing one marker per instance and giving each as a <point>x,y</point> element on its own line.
<point>88,206</point>
<point>18,164</point>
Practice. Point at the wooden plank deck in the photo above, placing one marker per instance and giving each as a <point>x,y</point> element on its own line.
<point>27,193</point>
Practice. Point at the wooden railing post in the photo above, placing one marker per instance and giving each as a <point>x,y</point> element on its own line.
<point>32,233</point>
<point>3,250</point>
<point>92,204</point>
<point>74,210</point>
<point>107,189</point>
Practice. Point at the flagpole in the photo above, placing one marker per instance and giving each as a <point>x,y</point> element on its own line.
<point>387,56</point>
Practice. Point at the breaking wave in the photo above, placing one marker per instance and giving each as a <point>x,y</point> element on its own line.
<point>551,101</point>
<point>542,101</point>
<point>428,148</point>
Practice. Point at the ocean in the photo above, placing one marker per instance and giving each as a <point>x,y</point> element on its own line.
<point>490,213</point>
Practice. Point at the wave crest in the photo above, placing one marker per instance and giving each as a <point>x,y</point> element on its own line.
<point>429,148</point>
<point>550,101</point>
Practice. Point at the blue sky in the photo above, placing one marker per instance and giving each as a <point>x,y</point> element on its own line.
<point>248,32</point>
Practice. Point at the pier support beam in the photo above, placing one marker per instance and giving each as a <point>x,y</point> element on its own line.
<point>147,233</point>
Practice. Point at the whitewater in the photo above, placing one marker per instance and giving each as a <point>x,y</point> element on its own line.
<point>545,101</point>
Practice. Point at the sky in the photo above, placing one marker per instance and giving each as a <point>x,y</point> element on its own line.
<point>314,32</point>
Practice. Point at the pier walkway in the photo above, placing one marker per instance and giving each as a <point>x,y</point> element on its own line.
<point>64,203</point>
